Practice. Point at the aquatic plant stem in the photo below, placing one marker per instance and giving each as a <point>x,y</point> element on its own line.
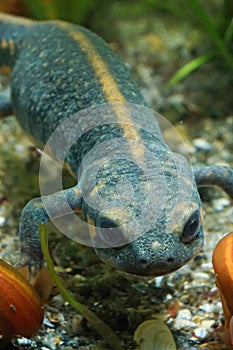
<point>105,331</point>
<point>211,31</point>
<point>189,68</point>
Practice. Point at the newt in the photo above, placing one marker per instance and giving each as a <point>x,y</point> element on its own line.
<point>58,70</point>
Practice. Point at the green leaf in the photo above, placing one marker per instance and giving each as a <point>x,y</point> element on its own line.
<point>105,331</point>
<point>189,68</point>
<point>229,34</point>
<point>212,32</point>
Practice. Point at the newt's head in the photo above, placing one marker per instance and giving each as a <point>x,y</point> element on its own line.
<point>144,223</point>
<point>156,252</point>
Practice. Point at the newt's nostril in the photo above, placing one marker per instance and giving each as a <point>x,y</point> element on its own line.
<point>170,260</point>
<point>143,262</point>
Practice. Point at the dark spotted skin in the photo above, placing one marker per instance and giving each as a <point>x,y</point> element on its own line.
<point>59,69</point>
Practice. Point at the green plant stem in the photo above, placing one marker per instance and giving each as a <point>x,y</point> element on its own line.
<point>189,68</point>
<point>105,331</point>
<point>229,34</point>
<point>228,9</point>
<point>212,31</point>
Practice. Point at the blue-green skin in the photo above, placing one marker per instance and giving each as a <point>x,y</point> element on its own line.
<point>51,80</point>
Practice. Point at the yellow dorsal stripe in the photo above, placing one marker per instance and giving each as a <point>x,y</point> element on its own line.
<point>110,88</point>
<point>5,69</point>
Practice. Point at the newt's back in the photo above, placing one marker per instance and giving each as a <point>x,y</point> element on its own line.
<point>60,69</point>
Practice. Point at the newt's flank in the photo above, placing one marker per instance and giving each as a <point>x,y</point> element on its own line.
<point>61,69</point>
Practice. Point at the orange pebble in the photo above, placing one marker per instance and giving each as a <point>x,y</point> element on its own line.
<point>21,311</point>
<point>223,267</point>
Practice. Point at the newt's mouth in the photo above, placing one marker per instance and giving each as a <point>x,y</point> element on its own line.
<point>146,268</point>
<point>143,258</point>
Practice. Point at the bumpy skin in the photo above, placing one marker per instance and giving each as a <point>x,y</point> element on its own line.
<point>59,69</point>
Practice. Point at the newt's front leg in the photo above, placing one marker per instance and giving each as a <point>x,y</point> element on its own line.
<point>33,214</point>
<point>216,175</point>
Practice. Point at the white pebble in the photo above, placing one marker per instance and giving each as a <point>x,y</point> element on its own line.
<point>181,324</point>
<point>158,281</point>
<point>26,342</point>
<point>220,203</point>
<point>207,324</point>
<point>201,332</point>
<point>201,276</point>
<point>202,144</point>
<point>19,148</point>
<point>2,221</point>
<point>184,314</point>
<point>207,307</point>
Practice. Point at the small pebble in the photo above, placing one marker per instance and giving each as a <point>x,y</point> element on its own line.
<point>202,144</point>
<point>184,314</point>
<point>19,148</point>
<point>207,307</point>
<point>47,323</point>
<point>183,324</point>
<point>207,324</point>
<point>159,281</point>
<point>21,341</point>
<point>221,203</point>
<point>201,332</point>
<point>2,221</point>
<point>201,276</point>
<point>50,340</point>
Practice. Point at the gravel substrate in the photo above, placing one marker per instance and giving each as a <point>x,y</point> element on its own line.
<point>187,300</point>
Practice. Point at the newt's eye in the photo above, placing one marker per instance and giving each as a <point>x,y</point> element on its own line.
<point>109,233</point>
<point>191,227</point>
